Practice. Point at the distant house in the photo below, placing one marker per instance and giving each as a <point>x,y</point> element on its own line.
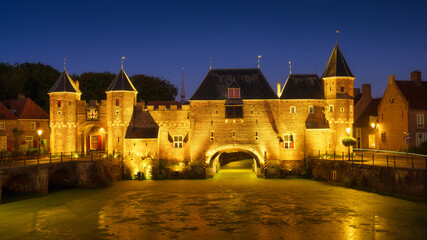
<point>366,118</point>
<point>20,120</point>
<point>401,113</point>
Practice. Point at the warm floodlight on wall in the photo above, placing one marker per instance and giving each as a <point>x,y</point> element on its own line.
<point>373,125</point>
<point>348,130</point>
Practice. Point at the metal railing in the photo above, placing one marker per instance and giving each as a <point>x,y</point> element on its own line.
<point>7,160</point>
<point>375,158</point>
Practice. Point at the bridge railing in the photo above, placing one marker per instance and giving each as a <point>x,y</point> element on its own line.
<point>7,160</point>
<point>375,158</point>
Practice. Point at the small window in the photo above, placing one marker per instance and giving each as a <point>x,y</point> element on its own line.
<point>383,136</point>
<point>2,126</point>
<point>177,141</point>
<point>117,102</point>
<point>310,109</point>
<point>3,143</point>
<point>212,135</point>
<point>234,133</point>
<point>342,89</point>
<point>69,103</point>
<point>33,125</point>
<point>420,120</point>
<point>234,93</point>
<point>59,103</point>
<point>331,108</point>
<point>293,109</point>
<point>256,136</point>
<point>288,141</point>
<point>342,109</point>
<point>29,141</point>
<point>392,100</point>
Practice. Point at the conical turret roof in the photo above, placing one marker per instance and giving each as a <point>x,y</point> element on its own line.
<point>121,83</point>
<point>64,84</point>
<point>337,66</point>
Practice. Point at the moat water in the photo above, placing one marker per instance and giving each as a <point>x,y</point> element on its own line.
<point>233,205</point>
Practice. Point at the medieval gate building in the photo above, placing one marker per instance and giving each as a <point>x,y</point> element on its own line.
<point>233,110</point>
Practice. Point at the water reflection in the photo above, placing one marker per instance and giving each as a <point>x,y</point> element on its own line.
<point>234,204</point>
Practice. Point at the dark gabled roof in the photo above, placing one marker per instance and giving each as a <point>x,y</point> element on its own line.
<point>252,82</point>
<point>64,84</point>
<point>142,132</point>
<point>121,83</point>
<point>25,108</point>
<point>303,86</point>
<point>370,110</point>
<point>337,66</point>
<point>415,93</point>
<point>5,113</point>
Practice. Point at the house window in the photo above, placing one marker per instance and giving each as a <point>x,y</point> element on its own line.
<point>331,108</point>
<point>234,93</point>
<point>234,112</point>
<point>177,141</point>
<point>33,125</point>
<point>311,110</point>
<point>212,135</point>
<point>29,141</point>
<point>342,89</point>
<point>420,138</point>
<point>293,109</point>
<point>288,141</point>
<point>59,103</point>
<point>2,126</point>
<point>3,143</point>
<point>117,102</point>
<point>420,120</point>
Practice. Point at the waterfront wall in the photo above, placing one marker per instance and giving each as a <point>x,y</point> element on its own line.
<point>396,181</point>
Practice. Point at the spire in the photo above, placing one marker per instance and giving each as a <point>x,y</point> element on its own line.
<point>64,83</point>
<point>337,66</point>
<point>121,83</point>
<point>182,88</point>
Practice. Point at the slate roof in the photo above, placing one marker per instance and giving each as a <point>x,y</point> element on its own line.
<point>303,86</point>
<point>5,113</point>
<point>337,66</point>
<point>121,83</point>
<point>415,93</point>
<point>25,108</point>
<point>252,82</point>
<point>64,84</point>
<point>370,110</point>
<point>142,132</point>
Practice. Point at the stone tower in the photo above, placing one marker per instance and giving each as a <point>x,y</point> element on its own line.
<point>63,97</point>
<point>121,99</point>
<point>338,86</point>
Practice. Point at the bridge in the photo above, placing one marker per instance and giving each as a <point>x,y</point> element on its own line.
<point>37,174</point>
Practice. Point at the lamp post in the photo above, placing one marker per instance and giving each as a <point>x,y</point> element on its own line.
<point>348,132</point>
<point>39,132</point>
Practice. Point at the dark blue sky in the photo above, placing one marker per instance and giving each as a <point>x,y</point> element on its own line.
<point>159,37</point>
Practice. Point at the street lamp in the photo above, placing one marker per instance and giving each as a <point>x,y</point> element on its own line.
<point>348,132</point>
<point>39,132</point>
<point>373,125</point>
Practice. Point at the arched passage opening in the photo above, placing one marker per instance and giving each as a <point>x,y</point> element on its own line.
<point>15,188</point>
<point>60,179</point>
<point>93,138</point>
<point>233,157</point>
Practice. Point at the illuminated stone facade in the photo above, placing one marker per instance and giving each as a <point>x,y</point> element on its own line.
<point>240,112</point>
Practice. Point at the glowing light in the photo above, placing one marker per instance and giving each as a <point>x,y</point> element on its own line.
<point>101,130</point>
<point>348,130</point>
<point>373,125</point>
<point>39,132</point>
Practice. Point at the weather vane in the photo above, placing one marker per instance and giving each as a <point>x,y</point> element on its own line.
<point>123,58</point>
<point>336,39</point>
<point>259,56</point>
<point>65,64</point>
<point>290,68</point>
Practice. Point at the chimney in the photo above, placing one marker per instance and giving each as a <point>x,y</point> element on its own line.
<point>366,90</point>
<point>416,76</point>
<point>356,91</point>
<point>391,78</point>
<point>21,96</point>
<point>278,89</point>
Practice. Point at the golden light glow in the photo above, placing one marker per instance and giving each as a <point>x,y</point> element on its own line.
<point>39,132</point>
<point>373,125</point>
<point>348,130</point>
<point>101,130</point>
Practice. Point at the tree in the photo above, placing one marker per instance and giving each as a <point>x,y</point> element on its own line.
<point>154,88</point>
<point>93,85</point>
<point>349,141</point>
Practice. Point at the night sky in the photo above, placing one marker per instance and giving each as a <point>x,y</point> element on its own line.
<point>159,37</point>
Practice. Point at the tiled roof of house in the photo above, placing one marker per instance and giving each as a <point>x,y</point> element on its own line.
<point>303,86</point>
<point>121,83</point>
<point>5,113</point>
<point>415,94</point>
<point>25,108</point>
<point>64,84</point>
<point>252,82</point>
<point>370,110</point>
<point>337,66</point>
